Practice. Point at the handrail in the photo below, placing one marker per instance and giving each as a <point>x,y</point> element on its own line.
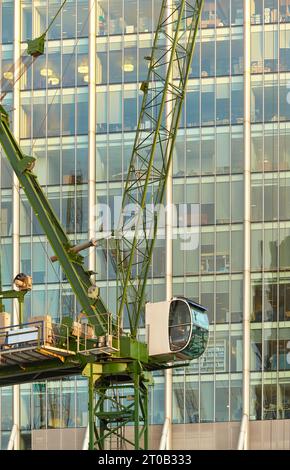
<point>12,437</point>
<point>86,439</point>
<point>165,430</point>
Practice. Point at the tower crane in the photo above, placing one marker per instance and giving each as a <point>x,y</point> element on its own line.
<point>116,362</point>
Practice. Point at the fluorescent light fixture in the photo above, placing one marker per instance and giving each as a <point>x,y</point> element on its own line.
<point>8,75</point>
<point>53,81</point>
<point>46,72</point>
<point>83,69</point>
<point>128,68</point>
<point>86,78</point>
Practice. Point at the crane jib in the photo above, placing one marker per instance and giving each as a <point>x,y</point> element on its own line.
<point>71,263</point>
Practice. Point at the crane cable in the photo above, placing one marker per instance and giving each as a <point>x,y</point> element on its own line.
<point>54,18</point>
<point>42,243</point>
<point>66,299</point>
<point>24,63</point>
<point>72,55</point>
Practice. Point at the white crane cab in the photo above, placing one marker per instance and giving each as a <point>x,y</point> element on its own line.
<point>176,329</point>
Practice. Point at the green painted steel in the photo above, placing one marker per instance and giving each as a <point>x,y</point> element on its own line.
<point>133,349</point>
<point>36,46</point>
<point>121,382</point>
<point>12,294</point>
<point>166,83</point>
<point>121,406</point>
<point>91,408</point>
<point>42,370</point>
<point>71,263</point>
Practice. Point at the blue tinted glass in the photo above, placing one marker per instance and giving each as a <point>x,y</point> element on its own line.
<point>199,318</point>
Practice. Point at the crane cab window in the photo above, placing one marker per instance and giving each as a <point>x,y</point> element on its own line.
<point>179,325</point>
<point>188,328</point>
<point>199,319</point>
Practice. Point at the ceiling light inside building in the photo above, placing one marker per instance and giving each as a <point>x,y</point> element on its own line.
<point>8,75</point>
<point>53,81</point>
<point>46,72</point>
<point>86,78</point>
<point>83,69</point>
<point>128,68</point>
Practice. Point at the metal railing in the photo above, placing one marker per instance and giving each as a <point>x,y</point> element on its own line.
<point>36,334</point>
<point>16,336</point>
<point>88,339</point>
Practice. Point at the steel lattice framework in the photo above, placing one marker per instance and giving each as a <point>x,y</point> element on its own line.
<point>164,93</point>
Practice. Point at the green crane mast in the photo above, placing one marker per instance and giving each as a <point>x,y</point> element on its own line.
<point>118,374</point>
<point>169,67</point>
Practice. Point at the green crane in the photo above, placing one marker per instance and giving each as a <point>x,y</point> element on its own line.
<point>169,67</point>
<point>117,364</point>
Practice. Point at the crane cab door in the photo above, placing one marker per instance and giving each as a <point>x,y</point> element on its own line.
<point>177,329</point>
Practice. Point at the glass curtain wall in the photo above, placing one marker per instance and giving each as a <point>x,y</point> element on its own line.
<point>270,115</point>
<point>54,128</point>
<point>6,62</point>
<point>207,171</point>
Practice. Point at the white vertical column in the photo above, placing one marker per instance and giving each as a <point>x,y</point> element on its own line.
<point>168,254</point>
<point>16,207</point>
<point>247,220</point>
<point>92,130</point>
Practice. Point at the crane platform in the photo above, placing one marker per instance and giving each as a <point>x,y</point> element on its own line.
<point>33,342</point>
<point>42,349</point>
<point>31,354</point>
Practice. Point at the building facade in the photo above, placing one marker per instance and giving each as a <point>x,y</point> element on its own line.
<point>76,110</point>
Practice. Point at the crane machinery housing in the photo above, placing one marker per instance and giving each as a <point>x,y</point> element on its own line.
<point>117,363</point>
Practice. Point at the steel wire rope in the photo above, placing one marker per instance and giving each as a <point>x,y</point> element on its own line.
<point>54,96</point>
<point>64,71</point>
<point>43,243</point>
<point>4,252</point>
<point>27,61</point>
<point>35,139</point>
<point>54,18</point>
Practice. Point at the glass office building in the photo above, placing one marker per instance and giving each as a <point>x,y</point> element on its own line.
<point>76,110</point>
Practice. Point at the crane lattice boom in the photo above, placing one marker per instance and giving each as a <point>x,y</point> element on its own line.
<point>164,93</point>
